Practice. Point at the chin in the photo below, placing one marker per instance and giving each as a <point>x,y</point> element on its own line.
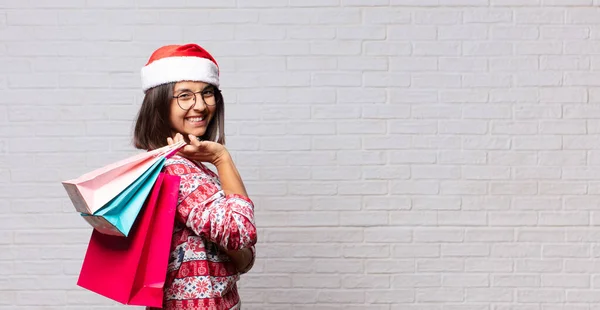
<point>197,133</point>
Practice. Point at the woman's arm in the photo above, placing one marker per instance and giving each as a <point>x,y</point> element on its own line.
<point>224,216</point>
<point>231,181</point>
<point>242,259</point>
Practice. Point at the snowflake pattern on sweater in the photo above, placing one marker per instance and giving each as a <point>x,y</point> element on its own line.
<point>200,275</point>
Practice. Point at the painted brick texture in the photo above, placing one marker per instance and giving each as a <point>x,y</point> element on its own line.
<point>402,154</point>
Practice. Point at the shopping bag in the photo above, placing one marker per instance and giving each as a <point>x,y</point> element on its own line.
<point>93,190</point>
<point>132,270</point>
<point>117,217</point>
<point>127,184</point>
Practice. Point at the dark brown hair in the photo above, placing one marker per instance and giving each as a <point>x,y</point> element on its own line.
<point>152,126</point>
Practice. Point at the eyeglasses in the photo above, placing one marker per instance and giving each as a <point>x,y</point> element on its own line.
<point>187,99</point>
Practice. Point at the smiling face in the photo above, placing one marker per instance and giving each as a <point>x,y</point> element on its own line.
<point>193,109</point>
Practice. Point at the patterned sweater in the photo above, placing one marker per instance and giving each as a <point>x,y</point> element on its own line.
<point>200,274</point>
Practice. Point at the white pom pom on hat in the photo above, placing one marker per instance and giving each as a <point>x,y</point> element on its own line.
<point>174,63</point>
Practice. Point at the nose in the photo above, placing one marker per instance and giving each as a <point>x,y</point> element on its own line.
<point>200,104</point>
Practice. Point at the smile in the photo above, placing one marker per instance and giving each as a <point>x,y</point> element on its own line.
<point>195,119</point>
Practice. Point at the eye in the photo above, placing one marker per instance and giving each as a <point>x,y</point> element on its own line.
<point>185,96</point>
<point>208,93</point>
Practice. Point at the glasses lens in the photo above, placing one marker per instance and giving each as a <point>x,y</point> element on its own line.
<point>186,100</point>
<point>209,97</point>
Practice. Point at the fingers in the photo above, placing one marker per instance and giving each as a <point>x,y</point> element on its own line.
<point>194,140</point>
<point>175,139</point>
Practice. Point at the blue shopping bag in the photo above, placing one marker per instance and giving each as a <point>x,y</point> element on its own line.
<point>117,217</point>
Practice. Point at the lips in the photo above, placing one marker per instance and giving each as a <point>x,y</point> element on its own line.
<point>196,121</point>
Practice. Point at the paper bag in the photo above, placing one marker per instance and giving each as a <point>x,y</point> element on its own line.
<point>95,189</point>
<point>132,270</point>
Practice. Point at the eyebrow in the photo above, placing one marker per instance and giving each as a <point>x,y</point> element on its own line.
<point>178,90</point>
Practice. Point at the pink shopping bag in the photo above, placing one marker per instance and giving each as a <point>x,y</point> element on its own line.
<point>132,270</point>
<point>93,190</point>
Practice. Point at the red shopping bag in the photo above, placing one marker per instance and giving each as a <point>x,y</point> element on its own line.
<point>132,270</point>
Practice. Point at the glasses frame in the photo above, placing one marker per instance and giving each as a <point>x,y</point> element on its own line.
<point>213,89</point>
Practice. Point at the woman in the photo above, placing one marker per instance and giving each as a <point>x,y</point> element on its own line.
<point>214,235</point>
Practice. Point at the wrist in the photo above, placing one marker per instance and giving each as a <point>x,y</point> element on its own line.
<point>221,157</point>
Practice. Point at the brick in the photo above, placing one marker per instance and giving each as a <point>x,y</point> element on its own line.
<point>376,15</point>
<point>439,265</point>
<point>462,157</point>
<point>414,187</point>
<point>563,219</point>
<point>514,64</point>
<point>314,3</point>
<point>370,96</point>
<point>435,172</point>
<point>570,281</point>
<point>489,235</point>
<point>426,235</point>
<point>465,280</point>
<point>538,48</point>
<point>463,32</point>
<point>463,188</point>
<point>387,234</point>
<point>536,203</point>
<point>545,295</point>
<point>539,235</point>
<point>582,296</point>
<point>321,281</point>
<point>438,295</point>
<point>516,250</point>
<point>437,17</point>
<point>374,219</point>
<point>337,296</point>
<point>316,235</point>
<point>436,48</point>
<point>513,218</point>
<point>390,296</point>
<point>397,33</point>
<point>565,250</point>
<point>429,80</point>
<point>459,64</point>
<point>510,33</point>
<point>564,32</point>
<point>436,111</point>
<point>336,79</point>
<point>416,281</point>
<point>366,251</point>
<point>361,33</point>
<point>413,218</point>
<point>484,48</point>
<point>283,16</point>
<point>487,15</point>
<point>363,188</point>
<point>413,63</point>
<point>311,63</point>
<point>385,266</point>
<point>366,281</point>
<point>463,218</point>
<point>465,250</point>
<point>347,265</point>
<point>338,48</point>
<point>487,80</point>
<point>489,112</point>
<point>278,296</point>
<point>488,295</point>
<point>564,62</point>
<point>488,265</point>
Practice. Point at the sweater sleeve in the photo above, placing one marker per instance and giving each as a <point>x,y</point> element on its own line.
<point>227,220</point>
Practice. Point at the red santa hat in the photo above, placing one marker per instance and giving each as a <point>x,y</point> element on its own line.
<point>174,63</point>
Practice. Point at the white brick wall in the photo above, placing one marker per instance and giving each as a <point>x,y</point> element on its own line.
<point>402,154</point>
